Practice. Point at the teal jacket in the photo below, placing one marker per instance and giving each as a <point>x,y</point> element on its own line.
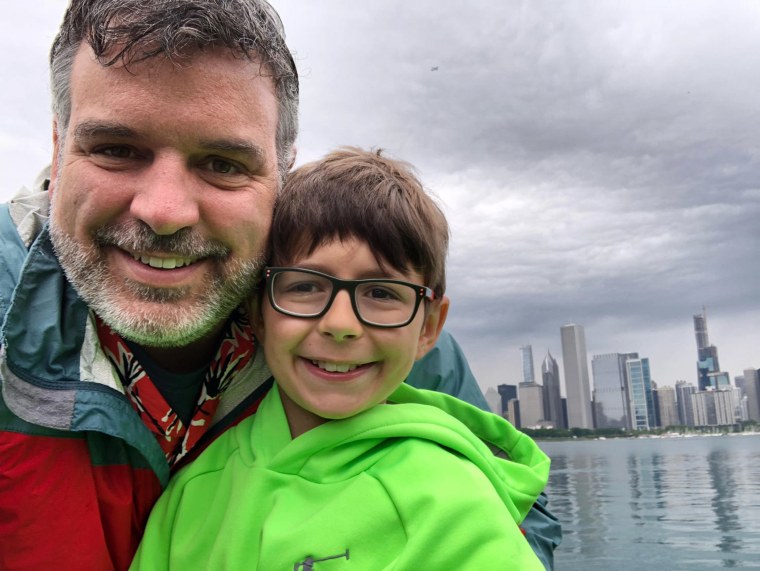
<point>405,486</point>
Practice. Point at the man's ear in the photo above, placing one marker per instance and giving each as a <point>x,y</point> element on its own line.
<point>435,317</point>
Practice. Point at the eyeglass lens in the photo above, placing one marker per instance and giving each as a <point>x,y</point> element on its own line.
<point>306,294</point>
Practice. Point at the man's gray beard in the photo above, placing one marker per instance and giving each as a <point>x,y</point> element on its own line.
<point>180,320</point>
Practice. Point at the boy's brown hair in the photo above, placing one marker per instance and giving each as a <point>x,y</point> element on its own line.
<point>353,193</point>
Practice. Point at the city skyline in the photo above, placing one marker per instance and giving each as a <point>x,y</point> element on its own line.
<point>620,394</point>
<point>597,161</point>
<point>700,351</point>
<point>703,349</point>
<point>623,396</point>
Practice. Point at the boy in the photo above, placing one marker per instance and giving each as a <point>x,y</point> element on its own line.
<point>356,469</point>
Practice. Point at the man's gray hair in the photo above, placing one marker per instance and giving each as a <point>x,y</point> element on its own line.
<point>126,31</point>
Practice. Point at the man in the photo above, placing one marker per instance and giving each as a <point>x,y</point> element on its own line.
<point>123,351</point>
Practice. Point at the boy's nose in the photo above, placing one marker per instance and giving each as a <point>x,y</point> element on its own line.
<point>340,322</point>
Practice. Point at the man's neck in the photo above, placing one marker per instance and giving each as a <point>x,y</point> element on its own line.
<point>189,357</point>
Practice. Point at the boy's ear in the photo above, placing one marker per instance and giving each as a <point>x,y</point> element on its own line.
<point>435,317</point>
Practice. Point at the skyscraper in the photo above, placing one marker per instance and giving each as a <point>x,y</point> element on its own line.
<point>493,398</point>
<point>708,367</point>
<point>613,409</point>
<point>531,405</point>
<point>552,394</point>
<point>666,404</point>
<point>575,362</point>
<point>526,355</point>
<point>700,330</point>
<point>640,393</point>
<point>752,389</point>
<point>716,407</point>
<point>684,396</point>
<point>510,406</point>
<point>508,393</point>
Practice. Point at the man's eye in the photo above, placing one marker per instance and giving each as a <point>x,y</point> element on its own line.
<point>220,166</point>
<point>116,151</point>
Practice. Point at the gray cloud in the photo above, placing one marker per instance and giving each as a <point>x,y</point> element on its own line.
<point>598,161</point>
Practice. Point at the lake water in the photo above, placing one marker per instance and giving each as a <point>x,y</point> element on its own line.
<point>667,504</point>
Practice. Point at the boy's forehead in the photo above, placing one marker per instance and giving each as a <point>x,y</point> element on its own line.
<point>348,257</point>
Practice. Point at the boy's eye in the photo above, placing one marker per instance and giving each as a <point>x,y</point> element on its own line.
<point>382,293</point>
<point>386,293</point>
<point>303,288</point>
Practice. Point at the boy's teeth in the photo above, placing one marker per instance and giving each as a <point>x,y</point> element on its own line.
<point>334,367</point>
<point>163,263</point>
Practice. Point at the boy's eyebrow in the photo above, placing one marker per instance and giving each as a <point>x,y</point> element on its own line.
<point>369,274</point>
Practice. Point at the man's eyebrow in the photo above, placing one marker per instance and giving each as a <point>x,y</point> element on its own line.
<point>92,129</point>
<point>236,146</point>
<point>98,129</point>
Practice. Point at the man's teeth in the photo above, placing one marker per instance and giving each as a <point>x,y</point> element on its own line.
<point>334,367</point>
<point>163,263</point>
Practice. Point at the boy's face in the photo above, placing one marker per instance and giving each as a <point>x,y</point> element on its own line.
<point>304,353</point>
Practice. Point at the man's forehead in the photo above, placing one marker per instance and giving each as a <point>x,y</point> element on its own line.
<point>135,60</point>
<point>214,101</point>
<point>217,77</point>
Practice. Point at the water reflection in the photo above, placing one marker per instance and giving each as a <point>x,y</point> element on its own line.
<point>724,504</point>
<point>634,476</point>
<point>664,504</point>
<point>659,480</point>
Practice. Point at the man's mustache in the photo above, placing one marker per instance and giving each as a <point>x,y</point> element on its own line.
<point>139,238</point>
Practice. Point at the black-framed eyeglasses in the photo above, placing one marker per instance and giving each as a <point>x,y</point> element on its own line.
<point>306,293</point>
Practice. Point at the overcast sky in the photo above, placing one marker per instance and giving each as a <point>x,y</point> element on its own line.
<point>599,161</point>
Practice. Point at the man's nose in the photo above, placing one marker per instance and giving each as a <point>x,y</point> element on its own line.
<point>167,197</point>
<point>340,322</point>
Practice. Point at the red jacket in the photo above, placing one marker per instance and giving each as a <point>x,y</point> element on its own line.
<point>79,471</point>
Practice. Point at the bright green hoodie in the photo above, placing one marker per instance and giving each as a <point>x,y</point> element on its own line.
<point>402,486</point>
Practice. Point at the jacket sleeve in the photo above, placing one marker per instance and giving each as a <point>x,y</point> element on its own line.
<point>543,531</point>
<point>451,515</point>
<point>445,369</point>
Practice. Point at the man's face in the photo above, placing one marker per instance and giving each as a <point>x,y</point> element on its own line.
<point>163,189</point>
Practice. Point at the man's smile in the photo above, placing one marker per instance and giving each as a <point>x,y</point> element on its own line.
<point>168,263</point>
